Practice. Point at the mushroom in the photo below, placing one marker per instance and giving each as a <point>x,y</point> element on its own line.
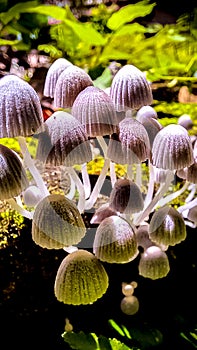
<point>69,84</point>
<point>115,241</point>
<point>154,263</point>
<point>21,116</point>
<point>53,73</point>
<point>81,279</point>
<point>57,223</point>
<point>13,179</point>
<point>129,305</point>
<point>95,111</point>
<point>167,226</point>
<point>65,143</point>
<point>126,197</point>
<point>130,89</point>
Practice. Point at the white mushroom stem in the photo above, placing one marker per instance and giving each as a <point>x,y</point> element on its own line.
<point>27,214</point>
<point>113,176</point>
<point>71,193</point>
<point>31,166</point>
<point>138,178</point>
<point>97,187</point>
<point>80,188</point>
<point>192,188</point>
<point>172,196</point>
<point>151,184</point>
<point>161,191</point>
<point>86,180</point>
<point>188,205</point>
<point>70,249</point>
<point>102,144</point>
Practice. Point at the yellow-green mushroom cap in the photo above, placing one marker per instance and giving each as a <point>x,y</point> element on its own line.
<point>81,279</point>
<point>57,223</point>
<point>154,263</point>
<point>167,226</point>
<point>115,241</point>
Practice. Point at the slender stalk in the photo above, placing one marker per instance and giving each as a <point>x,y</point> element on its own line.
<point>138,178</point>
<point>172,196</point>
<point>151,184</point>
<point>113,176</point>
<point>102,144</point>
<point>97,187</point>
<point>86,180</point>
<point>27,214</point>
<point>188,205</point>
<point>31,166</point>
<point>163,188</point>
<point>80,187</point>
<point>192,188</point>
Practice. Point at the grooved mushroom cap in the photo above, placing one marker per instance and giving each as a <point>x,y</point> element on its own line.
<point>64,141</point>
<point>146,112</point>
<point>54,71</point>
<point>130,89</point>
<point>126,197</point>
<point>154,263</point>
<point>81,279</point>
<point>69,84</point>
<point>134,139</point>
<point>115,241</point>
<point>57,223</point>
<point>152,127</point>
<point>191,173</point>
<point>20,108</point>
<point>167,226</point>
<point>142,236</point>
<point>131,145</point>
<point>160,175</point>
<point>101,213</point>
<point>13,178</point>
<point>96,112</point>
<point>172,148</point>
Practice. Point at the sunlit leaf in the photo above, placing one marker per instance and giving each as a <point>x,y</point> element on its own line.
<point>129,13</point>
<point>16,10</point>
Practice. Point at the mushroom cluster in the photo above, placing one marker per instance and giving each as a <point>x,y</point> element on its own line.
<point>137,218</point>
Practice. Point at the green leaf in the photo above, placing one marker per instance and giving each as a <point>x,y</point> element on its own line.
<point>86,33</point>
<point>51,50</point>
<point>117,345</point>
<point>8,42</point>
<point>104,80</point>
<point>16,10</point>
<point>52,11</point>
<point>129,13</point>
<point>117,328</point>
<point>80,341</point>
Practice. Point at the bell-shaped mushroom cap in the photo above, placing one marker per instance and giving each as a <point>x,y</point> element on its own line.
<point>129,305</point>
<point>126,197</point>
<point>135,140</point>
<point>185,121</point>
<point>152,127</point>
<point>172,148</point>
<point>69,84</point>
<point>167,226</point>
<point>96,112</point>
<point>104,211</point>
<point>130,89</point>
<point>142,236</point>
<point>64,141</point>
<point>20,108</point>
<point>154,263</point>
<point>146,112</point>
<point>54,71</point>
<point>191,173</point>
<point>81,279</point>
<point>13,178</point>
<point>57,223</point>
<point>115,241</point>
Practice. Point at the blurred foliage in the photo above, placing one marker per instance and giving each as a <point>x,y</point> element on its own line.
<point>108,33</point>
